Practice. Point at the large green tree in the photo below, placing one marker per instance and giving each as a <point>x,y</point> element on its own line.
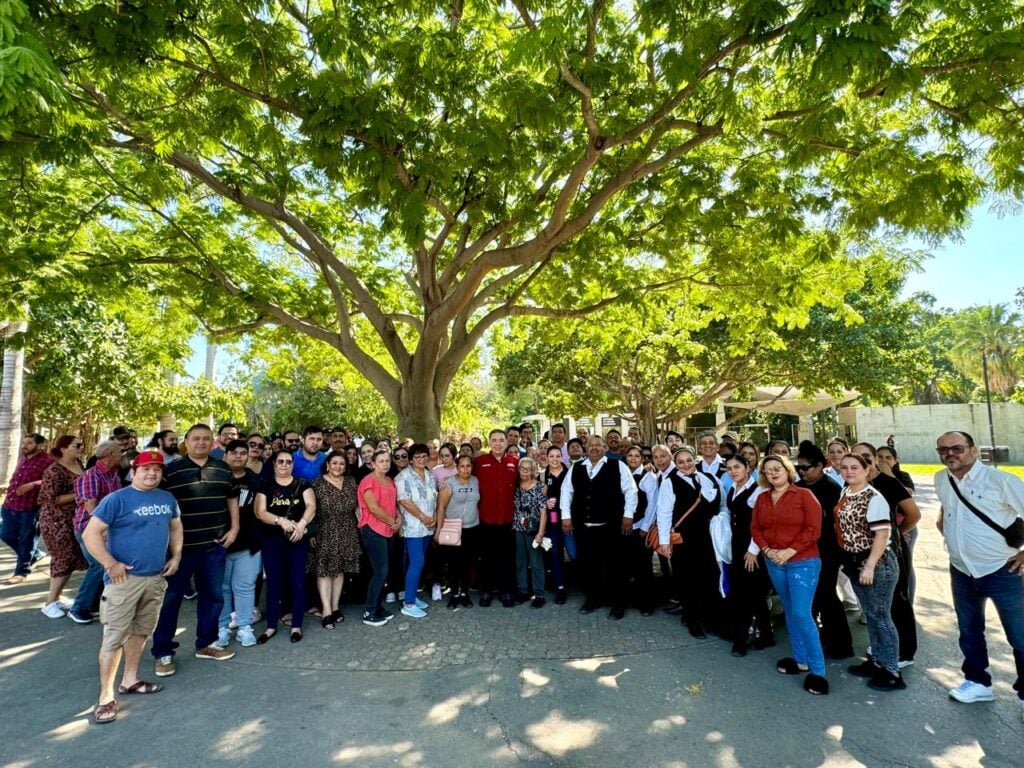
<point>393,179</point>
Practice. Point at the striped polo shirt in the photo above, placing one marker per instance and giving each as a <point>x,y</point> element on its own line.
<point>202,493</point>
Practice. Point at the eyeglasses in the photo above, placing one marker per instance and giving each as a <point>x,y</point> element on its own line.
<point>955,450</point>
<point>284,462</point>
<point>401,456</point>
<point>867,457</point>
<point>804,467</point>
<point>257,445</point>
<point>293,441</point>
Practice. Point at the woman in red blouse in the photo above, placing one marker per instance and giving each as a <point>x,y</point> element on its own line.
<point>786,525</point>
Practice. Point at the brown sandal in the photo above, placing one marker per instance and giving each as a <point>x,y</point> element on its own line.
<point>105,713</point>
<point>140,687</point>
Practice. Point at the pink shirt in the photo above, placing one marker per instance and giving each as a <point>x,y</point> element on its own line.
<point>386,495</point>
<point>441,474</point>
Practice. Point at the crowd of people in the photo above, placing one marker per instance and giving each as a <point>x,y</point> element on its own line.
<point>707,533</point>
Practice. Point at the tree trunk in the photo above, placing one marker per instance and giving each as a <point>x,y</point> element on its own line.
<point>646,415</point>
<point>169,420</point>
<point>211,370</point>
<point>419,412</point>
<point>11,394</point>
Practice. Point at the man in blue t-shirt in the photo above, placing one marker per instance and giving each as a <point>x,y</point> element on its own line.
<point>309,459</point>
<point>129,534</point>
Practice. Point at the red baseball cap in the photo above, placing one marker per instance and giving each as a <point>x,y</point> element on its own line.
<point>148,456</point>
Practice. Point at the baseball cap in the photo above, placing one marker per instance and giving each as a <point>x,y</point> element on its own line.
<point>148,456</point>
<point>276,436</point>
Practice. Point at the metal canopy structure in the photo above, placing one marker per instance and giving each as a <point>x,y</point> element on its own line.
<point>792,401</point>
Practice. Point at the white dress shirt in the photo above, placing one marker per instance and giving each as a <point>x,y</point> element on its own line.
<point>707,486</point>
<point>753,548</point>
<point>626,484</point>
<point>974,548</point>
<point>648,485</point>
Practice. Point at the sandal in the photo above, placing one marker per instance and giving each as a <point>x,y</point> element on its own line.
<point>788,666</point>
<point>816,685</point>
<point>140,687</point>
<point>327,622</point>
<point>105,713</point>
<point>338,617</point>
<point>296,635</point>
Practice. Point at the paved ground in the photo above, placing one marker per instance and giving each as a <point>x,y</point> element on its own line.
<point>499,687</point>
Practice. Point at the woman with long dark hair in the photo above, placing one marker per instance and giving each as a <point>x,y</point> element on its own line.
<point>56,520</point>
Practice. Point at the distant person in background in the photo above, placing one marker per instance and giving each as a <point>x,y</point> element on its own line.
<point>57,520</point>
<point>165,441</point>
<point>228,431</point>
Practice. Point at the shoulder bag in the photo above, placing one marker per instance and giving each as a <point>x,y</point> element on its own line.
<point>1013,536</point>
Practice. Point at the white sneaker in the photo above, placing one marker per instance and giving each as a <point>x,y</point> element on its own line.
<point>904,663</point>
<point>401,594</point>
<point>435,593</point>
<point>223,637</point>
<point>969,692</point>
<point>390,597</point>
<point>413,611</point>
<point>54,610</point>
<point>246,637</point>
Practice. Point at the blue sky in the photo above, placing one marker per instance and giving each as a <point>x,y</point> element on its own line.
<point>985,267</point>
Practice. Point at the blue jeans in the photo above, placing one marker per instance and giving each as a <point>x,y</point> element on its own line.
<point>207,566</point>
<point>18,531</point>
<point>416,551</point>
<point>240,572</point>
<point>92,583</point>
<point>1006,590</point>
<point>376,548</point>
<point>285,562</point>
<point>529,560</point>
<point>795,583</point>
<point>876,605</point>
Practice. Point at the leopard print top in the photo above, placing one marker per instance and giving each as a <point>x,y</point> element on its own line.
<point>853,530</point>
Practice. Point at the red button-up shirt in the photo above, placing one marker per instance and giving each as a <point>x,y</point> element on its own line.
<point>29,471</point>
<point>95,483</point>
<point>498,478</point>
<point>794,521</point>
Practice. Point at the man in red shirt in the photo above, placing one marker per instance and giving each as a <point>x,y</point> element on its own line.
<point>21,508</point>
<point>497,475</point>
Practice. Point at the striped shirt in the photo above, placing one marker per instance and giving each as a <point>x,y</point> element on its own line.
<point>202,492</point>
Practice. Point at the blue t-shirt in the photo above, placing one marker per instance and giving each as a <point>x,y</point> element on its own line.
<point>306,469</point>
<point>139,528</point>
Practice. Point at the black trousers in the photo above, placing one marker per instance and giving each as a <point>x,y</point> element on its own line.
<point>602,555</point>
<point>498,558</point>
<point>748,601</point>
<point>835,628</point>
<point>459,560</point>
<point>903,609</point>
<point>695,573</point>
<point>639,560</point>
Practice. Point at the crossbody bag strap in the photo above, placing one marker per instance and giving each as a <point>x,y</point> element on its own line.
<point>983,517</point>
<point>686,514</point>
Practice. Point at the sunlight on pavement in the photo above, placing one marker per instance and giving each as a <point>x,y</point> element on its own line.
<point>589,665</point>
<point>555,735</point>
<point>242,740</point>
<point>70,730</point>
<point>666,724</point>
<point>19,653</point>
<point>402,751</point>
<point>611,681</point>
<point>448,710</point>
<point>533,681</point>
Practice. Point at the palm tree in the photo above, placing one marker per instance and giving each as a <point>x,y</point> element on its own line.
<point>991,330</point>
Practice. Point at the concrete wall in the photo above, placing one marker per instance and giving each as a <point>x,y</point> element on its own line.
<point>917,426</point>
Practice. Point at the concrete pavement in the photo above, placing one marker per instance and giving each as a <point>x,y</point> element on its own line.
<point>500,687</point>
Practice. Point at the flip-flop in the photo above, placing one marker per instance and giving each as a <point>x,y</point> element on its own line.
<point>105,713</point>
<point>140,687</point>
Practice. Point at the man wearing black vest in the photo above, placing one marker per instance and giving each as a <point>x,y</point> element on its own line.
<point>598,503</point>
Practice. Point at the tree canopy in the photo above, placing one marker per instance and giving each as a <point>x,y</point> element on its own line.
<point>396,179</point>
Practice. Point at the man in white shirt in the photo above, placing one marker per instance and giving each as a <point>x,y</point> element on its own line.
<point>710,462</point>
<point>982,565</point>
<point>599,500</point>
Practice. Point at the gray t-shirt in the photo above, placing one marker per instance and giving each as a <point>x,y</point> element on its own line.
<point>465,501</point>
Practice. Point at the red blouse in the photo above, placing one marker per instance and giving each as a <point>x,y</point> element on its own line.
<point>793,522</point>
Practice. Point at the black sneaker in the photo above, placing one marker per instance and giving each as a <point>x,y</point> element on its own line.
<point>521,598</point>
<point>80,617</point>
<point>453,602</point>
<point>465,600</point>
<point>885,681</point>
<point>538,602</point>
<point>486,599</point>
<point>374,619</point>
<point>866,668</point>
<point>561,596</point>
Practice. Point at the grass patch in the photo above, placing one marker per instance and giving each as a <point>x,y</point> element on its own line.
<point>931,469</point>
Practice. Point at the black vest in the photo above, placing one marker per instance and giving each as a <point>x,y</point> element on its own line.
<point>695,529</point>
<point>641,498</point>
<point>597,500</point>
<point>740,516</point>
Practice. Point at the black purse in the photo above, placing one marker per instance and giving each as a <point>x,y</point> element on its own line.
<point>1014,535</point>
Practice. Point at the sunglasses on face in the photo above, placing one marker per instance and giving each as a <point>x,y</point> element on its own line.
<point>955,450</point>
<point>257,445</point>
<point>803,467</point>
<point>284,462</point>
<point>401,455</point>
<point>294,441</point>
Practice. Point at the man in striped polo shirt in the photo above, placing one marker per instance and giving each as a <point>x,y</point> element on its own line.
<point>207,495</point>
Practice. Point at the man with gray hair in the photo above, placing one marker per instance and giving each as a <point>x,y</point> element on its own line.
<point>100,480</point>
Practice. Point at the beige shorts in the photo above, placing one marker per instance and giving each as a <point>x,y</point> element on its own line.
<point>130,608</point>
